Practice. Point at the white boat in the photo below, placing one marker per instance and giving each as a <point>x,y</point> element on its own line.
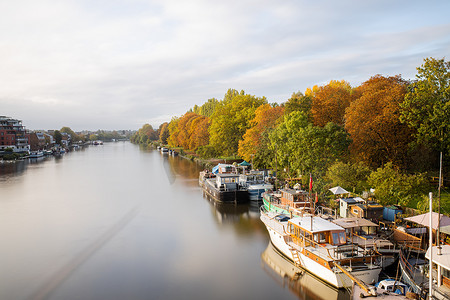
<point>364,233</point>
<point>255,184</point>
<point>36,154</point>
<point>321,248</point>
<point>387,289</point>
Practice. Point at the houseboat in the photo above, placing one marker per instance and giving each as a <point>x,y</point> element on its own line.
<point>299,282</point>
<point>365,234</point>
<point>288,201</point>
<point>225,188</point>
<point>321,248</point>
<point>36,154</point>
<point>164,150</point>
<point>255,183</point>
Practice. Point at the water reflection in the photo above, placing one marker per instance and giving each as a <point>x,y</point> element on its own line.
<point>299,282</point>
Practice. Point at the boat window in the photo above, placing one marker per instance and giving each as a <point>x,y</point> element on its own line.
<point>338,238</point>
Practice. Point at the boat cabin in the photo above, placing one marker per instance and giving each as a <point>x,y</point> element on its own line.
<point>442,264</point>
<point>295,198</point>
<point>227,182</point>
<point>311,231</point>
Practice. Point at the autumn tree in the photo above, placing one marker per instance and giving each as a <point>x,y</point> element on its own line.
<point>373,122</point>
<point>329,103</point>
<point>254,141</point>
<point>427,104</point>
<point>74,137</point>
<point>231,119</point>
<point>172,140</point>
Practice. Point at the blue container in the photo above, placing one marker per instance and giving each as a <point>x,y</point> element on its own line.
<point>390,212</point>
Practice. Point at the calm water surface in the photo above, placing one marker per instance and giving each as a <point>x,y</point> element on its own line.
<point>117,222</point>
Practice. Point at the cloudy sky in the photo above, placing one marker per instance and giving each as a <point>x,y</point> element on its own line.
<point>117,64</point>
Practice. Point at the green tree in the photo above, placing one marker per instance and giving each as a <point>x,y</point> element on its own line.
<point>231,119</point>
<point>57,136</point>
<point>208,108</point>
<point>303,148</point>
<point>427,104</point>
<point>164,132</point>
<point>352,177</point>
<point>298,102</point>
<point>393,187</point>
<point>73,135</point>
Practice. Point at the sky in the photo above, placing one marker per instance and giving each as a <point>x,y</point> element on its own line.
<point>119,64</point>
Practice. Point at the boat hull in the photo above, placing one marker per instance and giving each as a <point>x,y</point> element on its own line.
<point>337,279</point>
<point>236,196</point>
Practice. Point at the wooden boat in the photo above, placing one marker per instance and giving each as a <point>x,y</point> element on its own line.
<point>364,233</point>
<point>321,248</point>
<point>225,188</point>
<point>299,282</point>
<point>413,268</point>
<point>288,201</point>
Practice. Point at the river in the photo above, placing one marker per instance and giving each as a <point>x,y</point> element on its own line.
<point>118,222</point>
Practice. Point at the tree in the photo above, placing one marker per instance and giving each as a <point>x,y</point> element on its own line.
<point>57,136</point>
<point>329,103</point>
<point>208,108</point>
<point>393,187</point>
<point>427,104</point>
<point>164,132</point>
<point>73,135</point>
<point>231,119</point>
<point>298,102</point>
<point>303,148</point>
<point>349,176</point>
<point>373,122</point>
<point>266,117</point>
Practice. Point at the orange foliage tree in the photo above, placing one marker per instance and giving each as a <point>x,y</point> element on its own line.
<point>266,117</point>
<point>329,103</point>
<point>372,121</point>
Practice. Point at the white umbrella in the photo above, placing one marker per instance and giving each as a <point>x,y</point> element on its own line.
<point>337,190</point>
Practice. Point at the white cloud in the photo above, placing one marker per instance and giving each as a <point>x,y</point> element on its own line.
<point>115,64</point>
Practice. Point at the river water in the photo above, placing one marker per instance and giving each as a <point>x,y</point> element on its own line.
<point>118,222</point>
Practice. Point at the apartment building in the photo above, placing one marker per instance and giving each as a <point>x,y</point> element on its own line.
<point>13,135</point>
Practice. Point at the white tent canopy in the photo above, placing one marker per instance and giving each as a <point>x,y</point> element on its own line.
<point>337,190</point>
<point>424,220</point>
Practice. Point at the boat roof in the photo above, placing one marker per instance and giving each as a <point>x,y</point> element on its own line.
<point>354,222</point>
<point>318,224</point>
<point>442,260</point>
<point>424,220</point>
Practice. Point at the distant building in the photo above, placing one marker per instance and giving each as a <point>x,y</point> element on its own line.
<point>13,135</point>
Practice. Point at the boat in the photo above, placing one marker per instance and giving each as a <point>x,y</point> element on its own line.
<point>164,150</point>
<point>36,154</point>
<point>225,188</point>
<point>321,248</point>
<point>299,282</point>
<point>441,275</point>
<point>414,269</point>
<point>364,233</point>
<point>288,201</point>
<point>203,175</point>
<point>255,183</point>
<point>387,289</point>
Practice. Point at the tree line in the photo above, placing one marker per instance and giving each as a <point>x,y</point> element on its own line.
<point>386,133</point>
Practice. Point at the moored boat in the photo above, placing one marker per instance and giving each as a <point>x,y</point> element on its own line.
<point>364,233</point>
<point>36,154</point>
<point>320,247</point>
<point>225,188</point>
<point>255,183</point>
<point>288,201</point>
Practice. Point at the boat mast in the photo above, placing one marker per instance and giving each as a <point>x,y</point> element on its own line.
<point>430,271</point>
<point>439,208</point>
